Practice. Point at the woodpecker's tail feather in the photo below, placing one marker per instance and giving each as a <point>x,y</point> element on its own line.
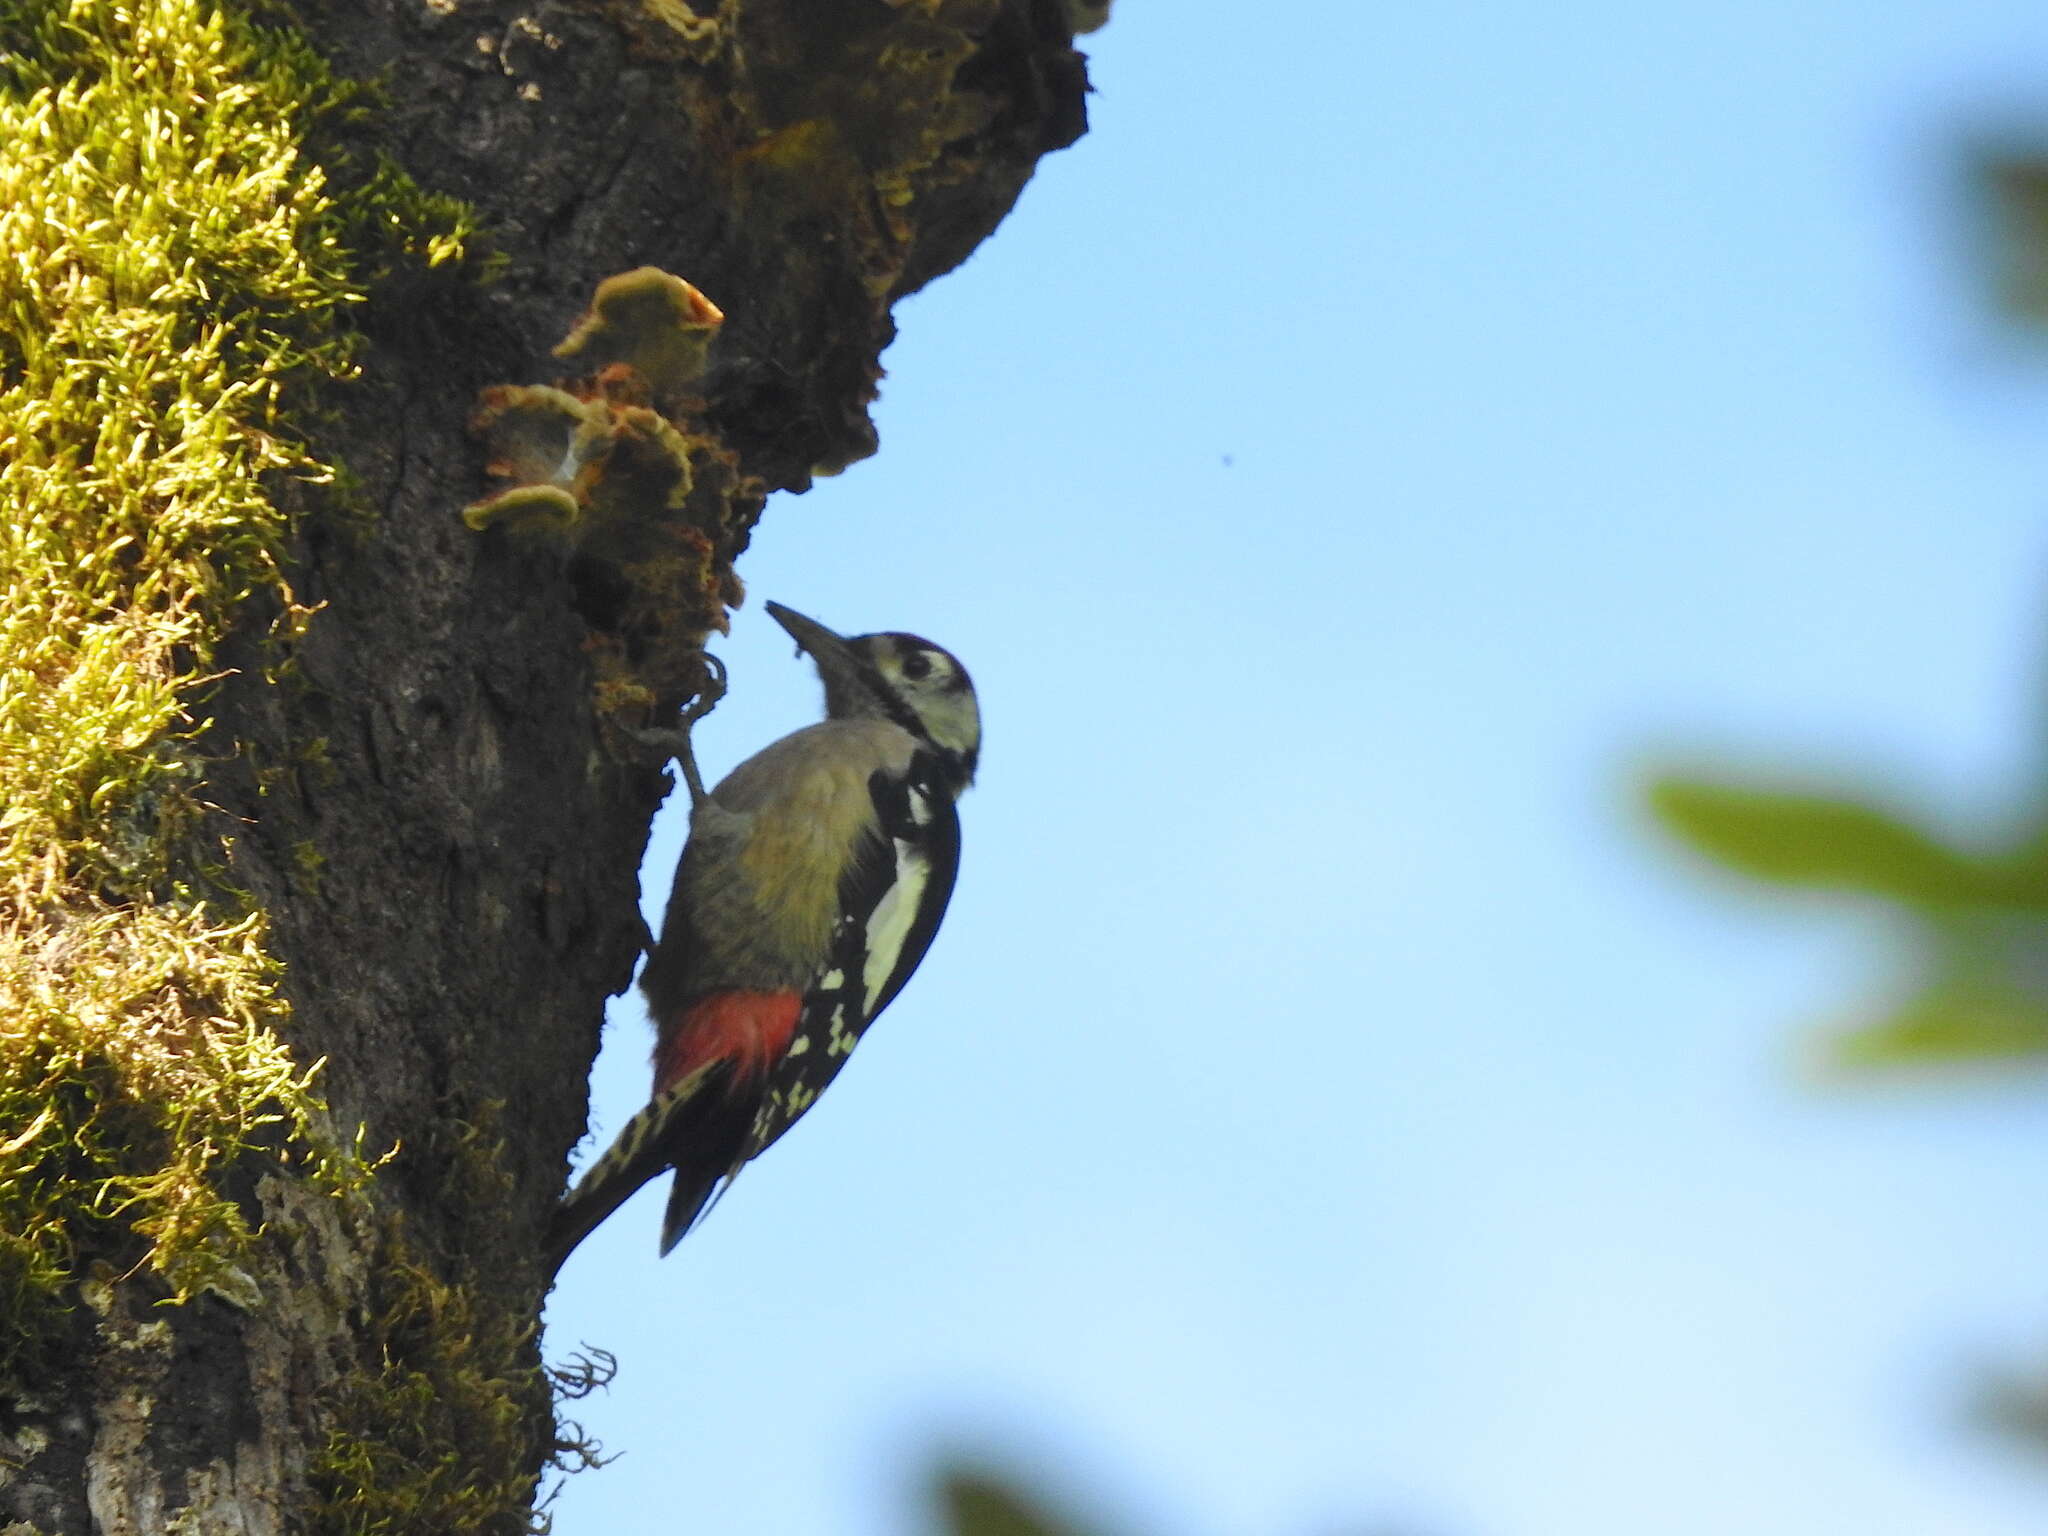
<point>647,1145</point>
<point>690,1199</point>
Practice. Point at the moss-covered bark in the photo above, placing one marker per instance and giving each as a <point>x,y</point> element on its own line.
<point>317,838</point>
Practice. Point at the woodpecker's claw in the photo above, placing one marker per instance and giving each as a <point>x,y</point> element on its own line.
<point>706,701</point>
<point>709,695</point>
<point>674,740</point>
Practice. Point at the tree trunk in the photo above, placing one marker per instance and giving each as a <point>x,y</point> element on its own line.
<point>320,773</point>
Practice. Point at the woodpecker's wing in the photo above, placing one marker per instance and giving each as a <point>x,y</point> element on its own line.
<point>891,899</point>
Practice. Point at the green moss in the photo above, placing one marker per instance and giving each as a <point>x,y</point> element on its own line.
<point>435,1438</point>
<point>176,267</point>
<point>308,862</point>
<point>434,1435</point>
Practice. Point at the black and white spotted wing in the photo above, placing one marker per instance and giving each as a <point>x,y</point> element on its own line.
<point>891,899</point>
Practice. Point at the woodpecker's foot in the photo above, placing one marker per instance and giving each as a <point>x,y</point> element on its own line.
<point>674,741</point>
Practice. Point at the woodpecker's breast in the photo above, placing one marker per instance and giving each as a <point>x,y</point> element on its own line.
<point>779,834</point>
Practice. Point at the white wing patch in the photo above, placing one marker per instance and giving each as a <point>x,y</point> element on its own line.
<point>890,924</point>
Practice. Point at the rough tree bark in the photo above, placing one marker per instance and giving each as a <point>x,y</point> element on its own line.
<point>425,793</point>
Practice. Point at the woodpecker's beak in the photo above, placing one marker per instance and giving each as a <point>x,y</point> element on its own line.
<point>809,634</point>
<point>835,658</point>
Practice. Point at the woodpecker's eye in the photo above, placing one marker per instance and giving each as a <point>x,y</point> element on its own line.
<point>916,665</point>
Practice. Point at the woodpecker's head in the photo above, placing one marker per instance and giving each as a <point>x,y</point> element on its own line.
<point>891,676</point>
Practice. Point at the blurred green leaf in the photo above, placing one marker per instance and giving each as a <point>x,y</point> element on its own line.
<point>1815,840</point>
<point>1979,926</point>
<point>1949,1027</point>
<point>973,1503</point>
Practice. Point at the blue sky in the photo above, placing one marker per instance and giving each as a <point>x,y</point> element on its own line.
<point>1328,1107</point>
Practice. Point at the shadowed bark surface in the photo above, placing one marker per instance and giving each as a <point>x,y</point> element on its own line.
<point>429,792</point>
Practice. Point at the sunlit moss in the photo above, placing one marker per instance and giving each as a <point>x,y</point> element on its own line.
<point>176,267</point>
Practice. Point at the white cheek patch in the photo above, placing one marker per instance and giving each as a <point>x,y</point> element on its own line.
<point>920,809</point>
<point>893,915</point>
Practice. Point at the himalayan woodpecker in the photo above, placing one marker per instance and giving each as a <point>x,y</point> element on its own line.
<point>813,880</point>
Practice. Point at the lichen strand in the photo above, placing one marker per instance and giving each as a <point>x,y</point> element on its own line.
<point>173,262</point>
